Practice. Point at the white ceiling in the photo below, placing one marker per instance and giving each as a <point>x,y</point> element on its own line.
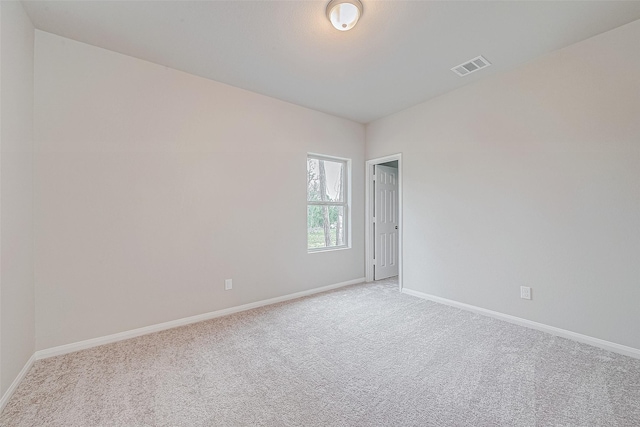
<point>397,56</point>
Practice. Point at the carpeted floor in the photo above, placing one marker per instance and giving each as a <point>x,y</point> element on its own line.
<point>365,355</point>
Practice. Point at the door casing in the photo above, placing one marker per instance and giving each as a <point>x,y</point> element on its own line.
<point>369,239</point>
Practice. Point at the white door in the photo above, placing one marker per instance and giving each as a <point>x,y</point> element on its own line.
<point>385,222</point>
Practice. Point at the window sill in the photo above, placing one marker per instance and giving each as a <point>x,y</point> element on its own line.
<point>319,250</point>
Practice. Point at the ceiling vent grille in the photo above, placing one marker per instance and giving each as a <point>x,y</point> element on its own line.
<point>472,66</point>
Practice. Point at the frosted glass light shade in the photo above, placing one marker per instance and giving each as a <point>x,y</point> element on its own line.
<point>344,14</point>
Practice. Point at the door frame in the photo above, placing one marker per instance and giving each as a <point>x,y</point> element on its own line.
<point>369,240</point>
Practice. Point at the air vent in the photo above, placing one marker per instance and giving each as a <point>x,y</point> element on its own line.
<point>472,66</point>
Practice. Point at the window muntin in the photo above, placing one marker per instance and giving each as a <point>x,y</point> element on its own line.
<point>327,203</point>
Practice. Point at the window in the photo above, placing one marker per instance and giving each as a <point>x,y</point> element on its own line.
<point>327,202</point>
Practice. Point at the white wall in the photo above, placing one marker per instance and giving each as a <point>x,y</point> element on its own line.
<point>153,186</point>
<point>17,328</point>
<point>531,177</point>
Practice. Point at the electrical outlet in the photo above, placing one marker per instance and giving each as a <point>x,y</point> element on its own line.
<point>525,292</point>
<point>228,285</point>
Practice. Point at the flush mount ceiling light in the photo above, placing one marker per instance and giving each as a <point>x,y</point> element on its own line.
<point>344,14</point>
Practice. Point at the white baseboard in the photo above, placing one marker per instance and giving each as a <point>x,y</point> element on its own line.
<point>14,385</point>
<point>94,342</point>
<point>596,342</point>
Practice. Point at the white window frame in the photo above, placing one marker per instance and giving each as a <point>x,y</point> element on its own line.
<point>346,203</point>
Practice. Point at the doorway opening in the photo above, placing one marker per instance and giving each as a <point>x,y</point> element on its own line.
<point>383,225</point>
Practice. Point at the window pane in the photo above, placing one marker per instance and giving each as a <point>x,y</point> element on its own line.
<point>325,226</point>
<point>313,181</point>
<point>325,180</point>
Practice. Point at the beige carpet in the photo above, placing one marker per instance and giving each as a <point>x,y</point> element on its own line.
<point>365,355</point>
